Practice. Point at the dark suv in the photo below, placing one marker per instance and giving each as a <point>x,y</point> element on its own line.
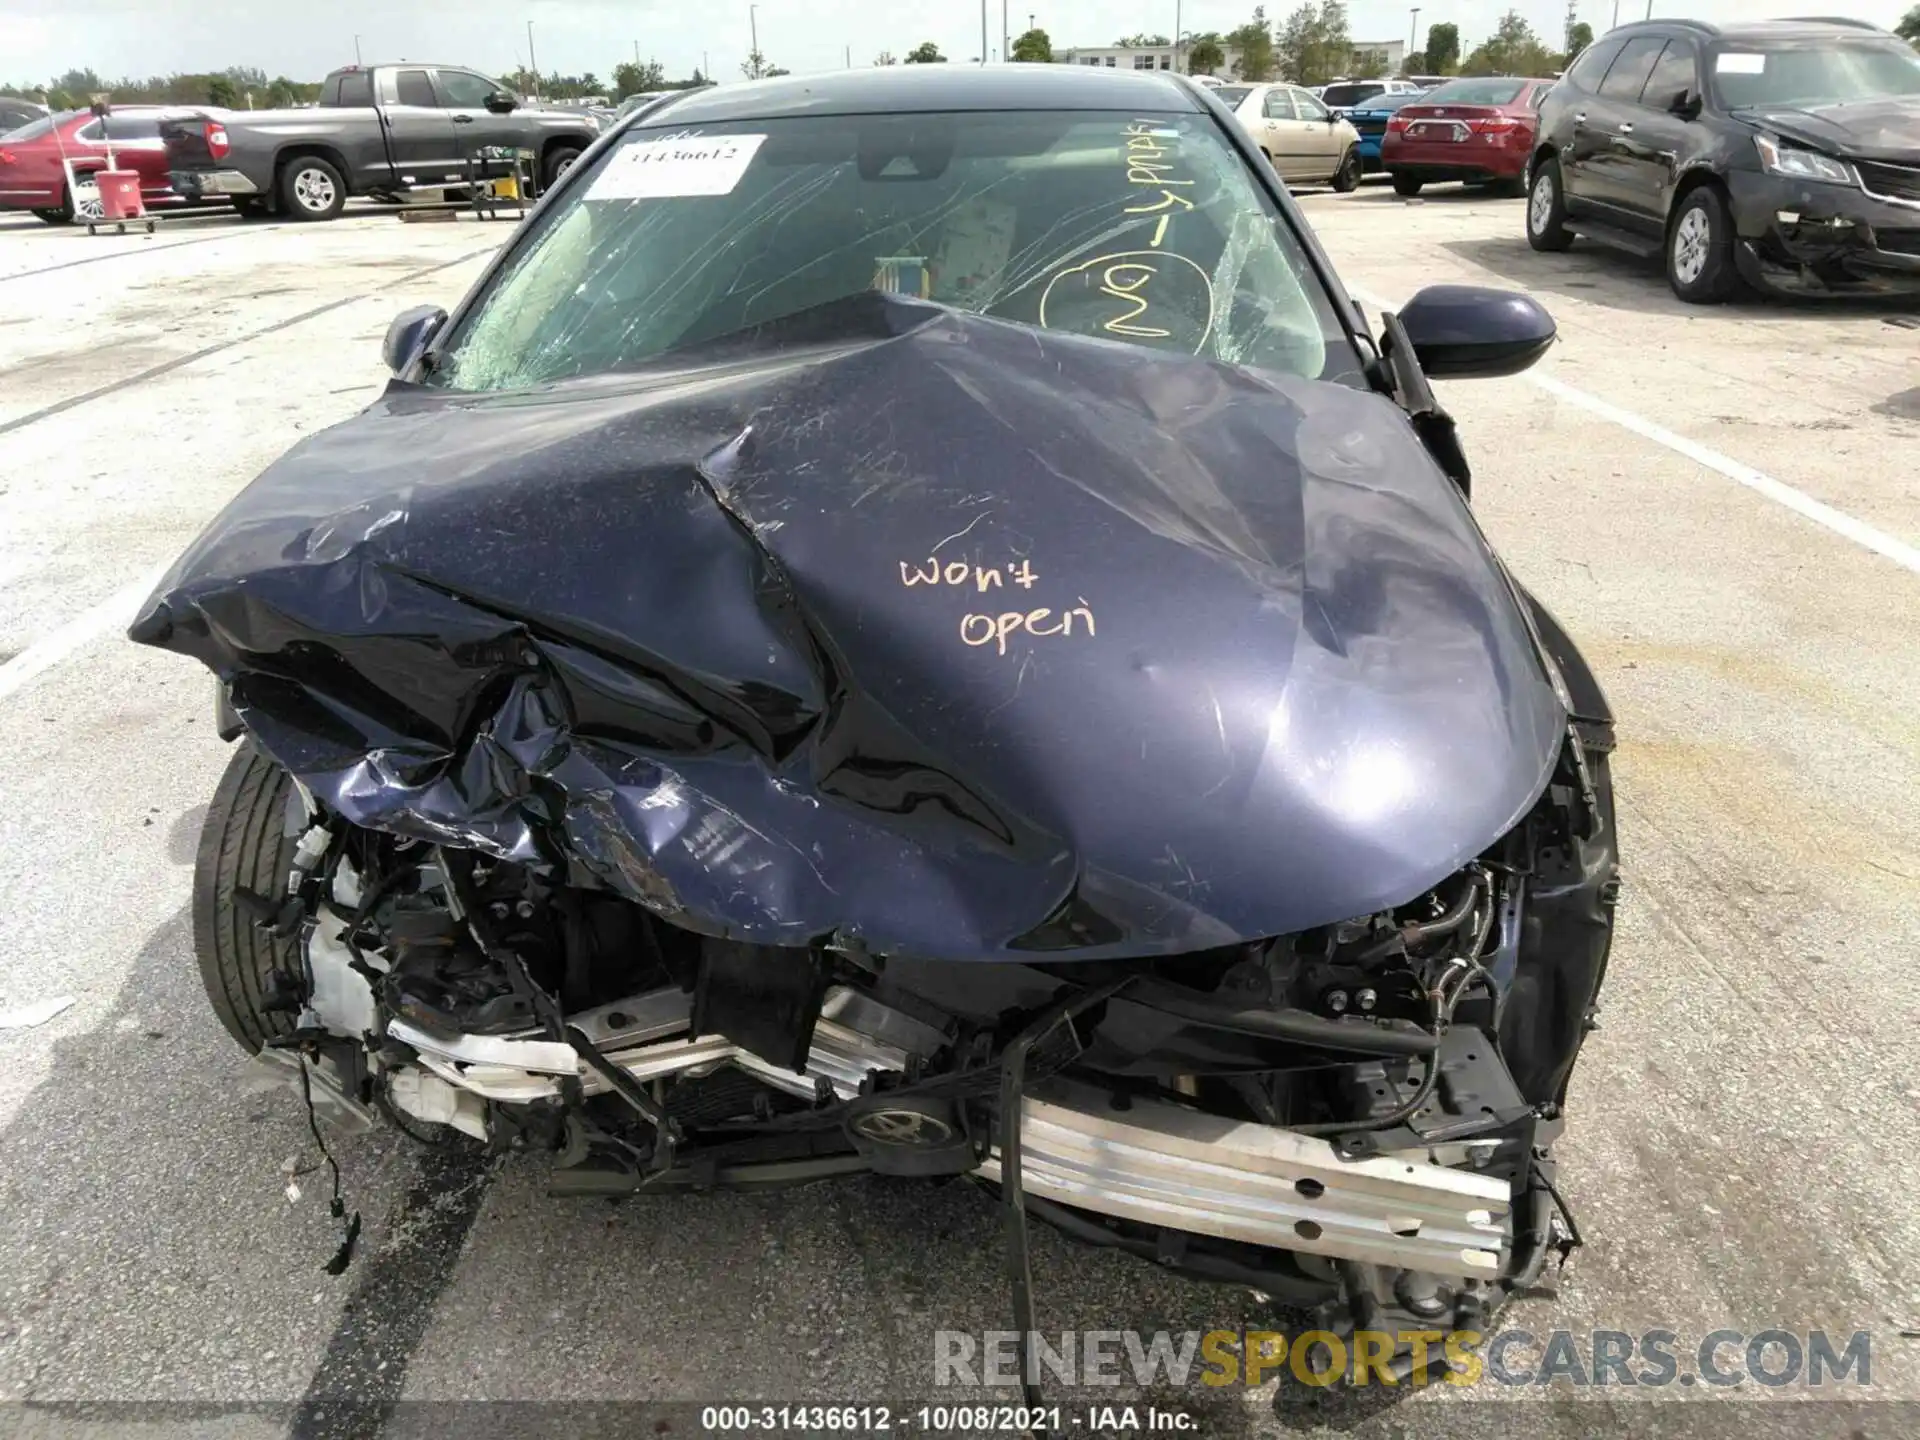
<point>1783,154</point>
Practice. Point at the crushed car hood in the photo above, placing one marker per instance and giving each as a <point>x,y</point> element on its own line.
<point>893,627</point>
<point>1886,128</point>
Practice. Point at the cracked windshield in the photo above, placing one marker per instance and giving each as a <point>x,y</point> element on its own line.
<point>1140,229</point>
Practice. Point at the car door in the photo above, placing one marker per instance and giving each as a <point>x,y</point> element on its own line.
<point>419,132</point>
<point>1655,137</point>
<point>463,95</point>
<point>1613,115</point>
<point>1280,129</point>
<point>1572,128</point>
<point>1322,141</point>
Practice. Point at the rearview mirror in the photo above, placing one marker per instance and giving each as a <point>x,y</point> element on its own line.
<point>408,335</point>
<point>502,101</point>
<point>1686,105</point>
<point>1468,332</point>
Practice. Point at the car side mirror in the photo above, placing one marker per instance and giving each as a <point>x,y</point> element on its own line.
<point>500,102</point>
<point>1469,332</point>
<point>408,335</point>
<point>1686,105</point>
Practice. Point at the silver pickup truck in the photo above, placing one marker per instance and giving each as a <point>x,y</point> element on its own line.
<point>381,130</point>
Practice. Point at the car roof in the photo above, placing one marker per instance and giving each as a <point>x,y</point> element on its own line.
<point>895,89</point>
<point>1757,31</point>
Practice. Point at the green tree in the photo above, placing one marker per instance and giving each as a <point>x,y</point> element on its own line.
<point>1443,49</point>
<point>1580,36</point>
<point>1140,41</point>
<point>926,53</point>
<point>1337,55</point>
<point>1415,63</point>
<point>1254,41</point>
<point>632,79</point>
<point>1513,49</point>
<point>885,57</point>
<point>220,92</point>
<point>1909,27</point>
<point>1205,54</point>
<point>755,66</point>
<point>1033,48</point>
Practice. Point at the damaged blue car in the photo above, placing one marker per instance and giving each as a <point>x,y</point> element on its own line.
<point>908,624</point>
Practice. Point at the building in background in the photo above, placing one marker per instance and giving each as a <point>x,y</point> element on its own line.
<point>1387,55</point>
<point>1126,57</point>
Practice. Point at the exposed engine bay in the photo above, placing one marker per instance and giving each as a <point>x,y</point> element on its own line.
<point>1356,1116</point>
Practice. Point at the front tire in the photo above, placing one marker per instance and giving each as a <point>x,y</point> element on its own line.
<point>244,845</point>
<point>560,159</point>
<point>311,189</point>
<point>1700,263</point>
<point>1547,209</point>
<point>1407,186</point>
<point>1346,179</point>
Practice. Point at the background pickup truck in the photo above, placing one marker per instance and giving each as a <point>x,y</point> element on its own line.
<point>380,131</point>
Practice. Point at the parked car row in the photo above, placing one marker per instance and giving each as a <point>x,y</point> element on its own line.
<point>380,131</point>
<point>1780,155</point>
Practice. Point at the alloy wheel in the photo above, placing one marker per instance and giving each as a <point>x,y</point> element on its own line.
<point>1691,241</point>
<point>314,190</point>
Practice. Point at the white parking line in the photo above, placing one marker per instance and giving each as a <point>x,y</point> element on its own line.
<point>117,610</point>
<point>1778,491</point>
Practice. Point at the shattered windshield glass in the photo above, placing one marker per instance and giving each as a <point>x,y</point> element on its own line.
<point>1141,229</point>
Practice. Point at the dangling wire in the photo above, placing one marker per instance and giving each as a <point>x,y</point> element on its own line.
<point>350,1228</point>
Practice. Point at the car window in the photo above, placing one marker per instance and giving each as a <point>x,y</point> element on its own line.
<point>1673,76</point>
<point>1277,106</point>
<point>1341,96</point>
<point>355,89</point>
<point>1591,67</point>
<point>462,89</point>
<point>1627,77</point>
<point>1146,230</point>
<point>1232,95</point>
<point>1476,92</point>
<point>33,130</point>
<point>413,88</point>
<point>1308,108</point>
<point>124,127</point>
<point>1833,73</point>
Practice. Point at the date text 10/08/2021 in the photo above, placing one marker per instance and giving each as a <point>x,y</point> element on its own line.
<point>945,1419</point>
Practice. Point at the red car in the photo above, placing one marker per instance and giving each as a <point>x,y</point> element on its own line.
<point>33,178</point>
<point>1478,130</point>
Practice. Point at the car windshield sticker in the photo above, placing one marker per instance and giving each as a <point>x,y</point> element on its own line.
<point>676,166</point>
<point>1735,63</point>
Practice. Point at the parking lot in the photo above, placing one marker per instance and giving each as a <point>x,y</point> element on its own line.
<point>1723,507</point>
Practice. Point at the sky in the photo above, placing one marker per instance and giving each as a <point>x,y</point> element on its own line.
<point>41,38</point>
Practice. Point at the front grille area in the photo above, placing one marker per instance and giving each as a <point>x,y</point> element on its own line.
<point>1890,182</point>
<point>1899,242</point>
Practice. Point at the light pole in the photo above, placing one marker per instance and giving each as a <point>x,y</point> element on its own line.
<point>356,51</point>
<point>1005,54</point>
<point>753,26</point>
<point>1413,35</point>
<point>983,32</point>
<point>533,64</point>
<point>1176,37</point>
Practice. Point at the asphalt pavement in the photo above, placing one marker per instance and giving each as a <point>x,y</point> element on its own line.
<point>1723,506</point>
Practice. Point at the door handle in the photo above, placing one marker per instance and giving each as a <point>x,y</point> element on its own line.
<point>468,120</point>
<point>1581,117</point>
<point>1626,129</point>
